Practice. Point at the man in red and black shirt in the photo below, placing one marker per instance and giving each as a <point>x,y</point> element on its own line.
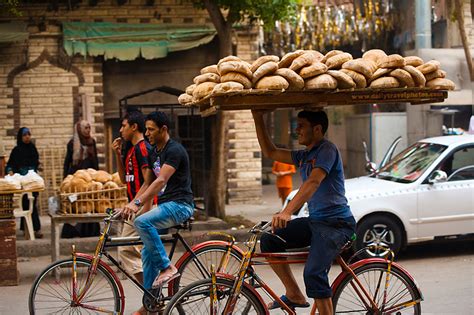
<point>135,171</point>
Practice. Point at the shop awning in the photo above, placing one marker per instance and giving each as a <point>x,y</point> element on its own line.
<point>13,32</point>
<point>129,41</point>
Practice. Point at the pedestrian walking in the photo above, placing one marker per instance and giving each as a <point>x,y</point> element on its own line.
<point>284,180</point>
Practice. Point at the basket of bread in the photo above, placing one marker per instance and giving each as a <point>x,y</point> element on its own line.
<point>307,77</point>
<point>91,191</point>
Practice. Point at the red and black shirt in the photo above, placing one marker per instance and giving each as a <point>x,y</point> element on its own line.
<point>136,159</point>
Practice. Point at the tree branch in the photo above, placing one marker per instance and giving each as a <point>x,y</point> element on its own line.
<point>462,30</point>
<point>216,17</point>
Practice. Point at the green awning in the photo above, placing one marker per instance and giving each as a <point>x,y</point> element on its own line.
<point>13,32</point>
<point>130,41</point>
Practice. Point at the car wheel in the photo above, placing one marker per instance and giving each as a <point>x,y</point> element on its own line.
<point>378,230</point>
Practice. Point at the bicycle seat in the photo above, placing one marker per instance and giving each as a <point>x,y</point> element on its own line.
<point>186,225</point>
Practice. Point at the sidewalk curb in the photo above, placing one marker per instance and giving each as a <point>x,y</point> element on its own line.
<point>42,247</point>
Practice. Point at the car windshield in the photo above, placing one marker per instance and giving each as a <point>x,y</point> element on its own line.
<point>411,163</point>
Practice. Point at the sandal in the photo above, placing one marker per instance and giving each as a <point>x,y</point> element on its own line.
<point>273,305</point>
<point>159,283</point>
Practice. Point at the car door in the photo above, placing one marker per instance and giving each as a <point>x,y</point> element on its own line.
<point>447,208</point>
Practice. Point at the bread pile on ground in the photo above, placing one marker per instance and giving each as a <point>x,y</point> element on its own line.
<point>311,70</point>
<point>94,191</point>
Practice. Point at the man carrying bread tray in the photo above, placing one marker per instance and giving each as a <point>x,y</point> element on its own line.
<point>172,184</point>
<point>330,223</point>
<point>135,171</point>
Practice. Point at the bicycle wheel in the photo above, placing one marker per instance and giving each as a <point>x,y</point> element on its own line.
<point>400,291</point>
<point>52,290</point>
<point>195,299</point>
<point>207,255</point>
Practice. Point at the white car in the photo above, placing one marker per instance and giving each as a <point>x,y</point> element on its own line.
<point>425,192</point>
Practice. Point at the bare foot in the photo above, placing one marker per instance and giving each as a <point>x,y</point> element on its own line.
<point>165,276</point>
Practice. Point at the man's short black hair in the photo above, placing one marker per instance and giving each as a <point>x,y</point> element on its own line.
<point>159,118</point>
<point>316,118</point>
<point>136,117</point>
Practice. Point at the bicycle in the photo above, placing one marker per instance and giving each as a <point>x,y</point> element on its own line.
<point>86,282</point>
<point>369,286</point>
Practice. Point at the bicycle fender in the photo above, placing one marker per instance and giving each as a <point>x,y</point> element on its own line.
<point>362,262</point>
<point>248,286</point>
<point>111,272</point>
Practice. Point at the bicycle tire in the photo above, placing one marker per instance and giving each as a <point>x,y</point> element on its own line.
<point>401,289</point>
<point>208,254</point>
<point>199,292</point>
<point>47,293</point>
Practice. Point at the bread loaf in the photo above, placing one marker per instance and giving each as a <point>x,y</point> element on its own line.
<point>414,61</point>
<point>237,77</point>
<point>95,186</point>
<point>403,77</point>
<point>379,73</point>
<point>206,77</point>
<point>416,75</point>
<point>202,90</point>
<point>374,55</point>
<point>116,179</point>
<point>110,185</point>
<point>266,69</point>
<point>294,80</point>
<point>312,70</point>
<point>287,59</point>
<point>190,89</point>
<point>335,62</point>
<point>391,61</point>
<point>435,74</point>
<point>78,184</point>
<point>273,82</point>
<point>441,84</point>
<point>102,205</point>
<point>365,67</point>
<point>305,59</point>
<point>430,66</point>
<point>343,80</point>
<point>228,58</point>
<point>102,176</point>
<point>260,61</point>
<point>358,78</point>
<point>227,87</point>
<point>235,66</point>
<point>210,69</point>
<point>321,82</point>
<point>331,53</point>
<point>185,98</point>
<point>83,174</point>
<point>384,83</point>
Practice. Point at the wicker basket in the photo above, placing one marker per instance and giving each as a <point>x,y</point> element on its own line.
<point>92,201</point>
<point>6,206</point>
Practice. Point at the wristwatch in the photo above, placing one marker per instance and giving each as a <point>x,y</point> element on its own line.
<point>138,202</point>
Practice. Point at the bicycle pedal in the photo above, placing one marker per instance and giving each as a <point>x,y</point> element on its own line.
<point>154,304</point>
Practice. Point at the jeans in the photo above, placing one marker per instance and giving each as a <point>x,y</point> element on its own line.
<point>154,256</point>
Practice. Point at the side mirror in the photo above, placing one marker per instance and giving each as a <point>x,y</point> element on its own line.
<point>370,167</point>
<point>437,177</point>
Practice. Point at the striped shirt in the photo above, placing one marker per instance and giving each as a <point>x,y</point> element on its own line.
<point>135,160</point>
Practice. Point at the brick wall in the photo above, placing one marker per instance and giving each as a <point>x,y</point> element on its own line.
<point>43,89</point>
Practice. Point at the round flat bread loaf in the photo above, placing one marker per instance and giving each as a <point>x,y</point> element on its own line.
<point>185,98</point>
<point>384,83</point>
<point>321,82</point>
<point>430,66</point>
<point>414,61</point>
<point>295,81</point>
<point>358,78</point>
<point>264,59</point>
<point>313,70</point>
<point>266,69</point>
<point>319,56</point>
<point>273,82</point>
<point>403,77</point>
<point>83,174</point>
<point>287,59</point>
<point>101,176</point>
<point>365,67</point>
<point>237,77</point>
<point>441,84</point>
<point>235,66</point>
<point>379,73</point>
<point>227,87</point>
<point>336,61</point>
<point>207,77</point>
<point>343,80</point>
<point>228,58</point>
<point>209,69</point>
<point>190,89</point>
<point>203,90</point>
<point>391,61</point>
<point>374,55</point>
<point>435,74</point>
<point>416,75</point>
<point>331,53</point>
<point>305,59</point>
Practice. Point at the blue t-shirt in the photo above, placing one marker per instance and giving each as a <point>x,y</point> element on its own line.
<point>329,200</point>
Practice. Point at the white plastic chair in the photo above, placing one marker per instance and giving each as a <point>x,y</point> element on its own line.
<point>18,212</point>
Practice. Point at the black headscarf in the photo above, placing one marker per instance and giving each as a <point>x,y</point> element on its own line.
<point>24,156</point>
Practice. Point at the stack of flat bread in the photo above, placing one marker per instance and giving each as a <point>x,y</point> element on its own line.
<point>311,70</point>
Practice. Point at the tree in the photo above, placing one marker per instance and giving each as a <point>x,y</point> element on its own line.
<point>459,8</point>
<point>224,14</point>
